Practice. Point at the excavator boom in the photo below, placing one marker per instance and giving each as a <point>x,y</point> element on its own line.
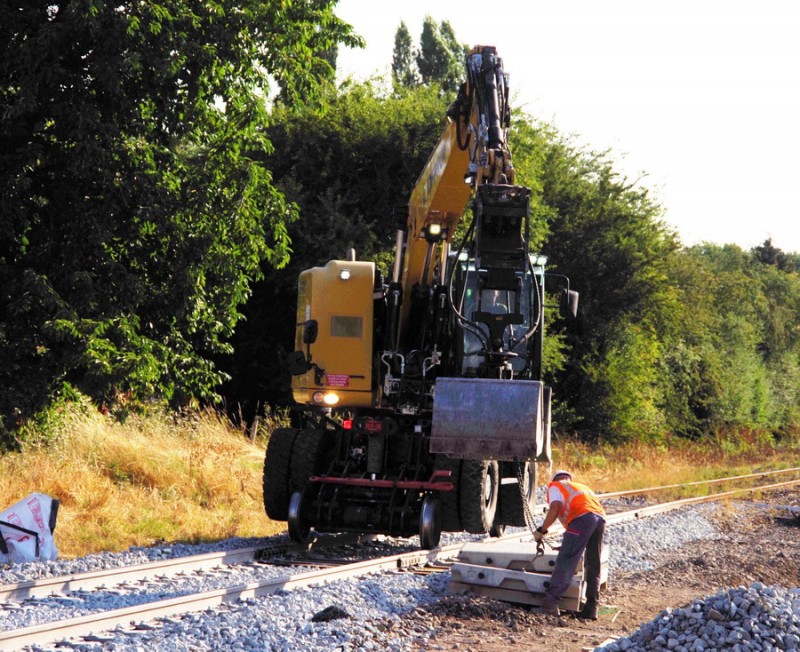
<point>471,150</point>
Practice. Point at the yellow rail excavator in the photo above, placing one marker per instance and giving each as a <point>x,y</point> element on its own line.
<point>420,405</point>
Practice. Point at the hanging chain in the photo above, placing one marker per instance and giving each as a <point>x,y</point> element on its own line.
<point>526,509</point>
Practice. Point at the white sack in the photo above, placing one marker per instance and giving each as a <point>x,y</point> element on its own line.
<point>27,530</point>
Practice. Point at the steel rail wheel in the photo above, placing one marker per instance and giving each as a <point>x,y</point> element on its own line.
<point>430,523</point>
<point>299,531</point>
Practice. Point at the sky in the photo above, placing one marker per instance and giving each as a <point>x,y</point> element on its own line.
<point>698,100</point>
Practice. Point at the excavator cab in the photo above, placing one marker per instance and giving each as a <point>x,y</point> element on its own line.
<point>523,352</point>
<point>332,361</point>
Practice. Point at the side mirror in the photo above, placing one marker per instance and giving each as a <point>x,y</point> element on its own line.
<point>310,331</point>
<point>568,306</point>
<point>297,363</point>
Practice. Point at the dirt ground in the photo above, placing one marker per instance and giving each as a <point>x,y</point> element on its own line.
<point>758,545</point>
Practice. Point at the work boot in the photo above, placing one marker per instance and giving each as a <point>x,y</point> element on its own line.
<point>589,611</point>
<point>549,608</point>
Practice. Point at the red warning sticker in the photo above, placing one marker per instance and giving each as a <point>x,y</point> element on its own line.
<point>337,380</point>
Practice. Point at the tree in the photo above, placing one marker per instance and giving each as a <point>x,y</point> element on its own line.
<point>404,71</point>
<point>135,212</point>
<point>606,235</point>
<point>769,254</point>
<point>441,58</point>
<point>749,343</point>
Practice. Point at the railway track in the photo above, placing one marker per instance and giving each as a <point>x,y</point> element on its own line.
<point>332,569</point>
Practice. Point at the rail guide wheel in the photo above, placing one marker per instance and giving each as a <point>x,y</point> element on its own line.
<point>497,530</point>
<point>430,522</point>
<point>299,531</point>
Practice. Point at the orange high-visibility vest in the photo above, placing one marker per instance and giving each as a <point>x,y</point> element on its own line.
<point>578,500</point>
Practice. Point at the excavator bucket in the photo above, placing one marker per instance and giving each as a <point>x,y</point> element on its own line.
<point>487,418</point>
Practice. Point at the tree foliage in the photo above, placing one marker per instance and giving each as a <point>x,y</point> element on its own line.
<point>150,195</point>
<point>768,254</point>
<point>441,58</point>
<point>748,342</point>
<point>438,61</point>
<point>404,69</point>
<point>607,237</point>
<point>135,212</point>
<point>349,165</point>
<point>669,340</point>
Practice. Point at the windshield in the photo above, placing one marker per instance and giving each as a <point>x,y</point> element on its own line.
<point>496,302</point>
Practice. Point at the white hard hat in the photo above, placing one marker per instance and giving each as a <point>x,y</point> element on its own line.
<point>561,472</point>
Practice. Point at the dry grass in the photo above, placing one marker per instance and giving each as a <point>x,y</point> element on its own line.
<point>640,465</point>
<point>142,481</point>
<point>198,479</point>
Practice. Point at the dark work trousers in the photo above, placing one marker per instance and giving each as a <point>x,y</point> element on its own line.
<point>582,533</point>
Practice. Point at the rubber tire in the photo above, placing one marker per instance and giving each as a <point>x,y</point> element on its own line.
<point>309,456</point>
<point>511,510</point>
<point>448,500</point>
<point>277,465</point>
<point>478,509</point>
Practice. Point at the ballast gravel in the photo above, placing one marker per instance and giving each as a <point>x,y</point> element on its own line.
<point>631,544</point>
<point>372,607</point>
<point>741,619</point>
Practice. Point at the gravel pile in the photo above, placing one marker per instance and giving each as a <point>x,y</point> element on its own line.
<point>741,619</point>
<point>366,614</point>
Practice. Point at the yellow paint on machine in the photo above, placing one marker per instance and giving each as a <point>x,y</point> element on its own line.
<point>339,297</point>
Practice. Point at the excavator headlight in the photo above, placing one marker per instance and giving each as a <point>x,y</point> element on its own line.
<point>434,232</point>
<point>325,398</point>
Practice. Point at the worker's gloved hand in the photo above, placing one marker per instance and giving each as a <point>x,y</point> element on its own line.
<point>538,534</point>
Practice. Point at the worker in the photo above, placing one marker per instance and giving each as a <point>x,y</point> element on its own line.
<point>583,518</point>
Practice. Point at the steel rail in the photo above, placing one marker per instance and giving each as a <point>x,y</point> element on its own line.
<point>47,633</point>
<point>76,627</point>
<point>651,510</point>
<point>112,576</point>
<point>90,580</point>
<point>641,512</point>
<point>94,579</point>
<point>632,492</point>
